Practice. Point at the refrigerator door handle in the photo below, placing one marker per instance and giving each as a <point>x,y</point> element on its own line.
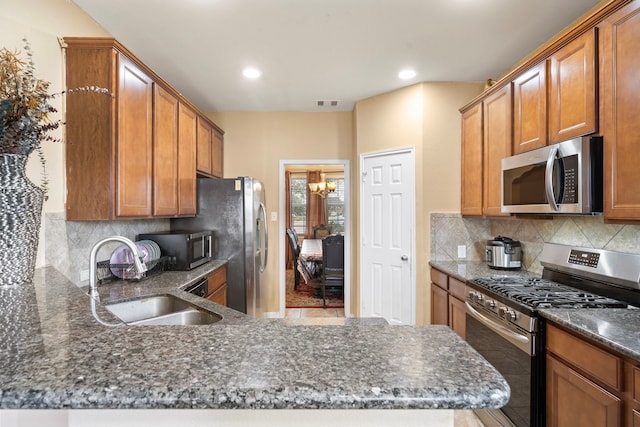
<point>263,211</point>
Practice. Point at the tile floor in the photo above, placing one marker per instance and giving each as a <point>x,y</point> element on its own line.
<point>335,316</point>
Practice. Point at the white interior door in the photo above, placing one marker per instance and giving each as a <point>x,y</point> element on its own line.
<point>387,218</point>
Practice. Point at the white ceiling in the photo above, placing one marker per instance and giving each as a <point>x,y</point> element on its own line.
<point>311,50</point>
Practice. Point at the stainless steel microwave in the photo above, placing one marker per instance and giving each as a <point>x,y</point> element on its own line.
<point>186,249</point>
<point>563,178</point>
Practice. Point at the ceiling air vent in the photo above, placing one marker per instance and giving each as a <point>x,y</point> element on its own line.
<point>327,103</point>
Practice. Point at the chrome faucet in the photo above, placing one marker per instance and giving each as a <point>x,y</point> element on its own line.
<point>139,265</point>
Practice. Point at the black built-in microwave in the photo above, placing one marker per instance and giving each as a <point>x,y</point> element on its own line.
<point>563,178</point>
<point>186,249</point>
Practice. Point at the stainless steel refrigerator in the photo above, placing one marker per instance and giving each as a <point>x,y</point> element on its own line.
<point>234,210</point>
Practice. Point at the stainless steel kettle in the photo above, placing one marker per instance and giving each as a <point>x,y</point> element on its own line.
<point>503,253</point>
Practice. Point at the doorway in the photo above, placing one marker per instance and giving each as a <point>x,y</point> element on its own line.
<point>327,167</point>
<point>387,230</point>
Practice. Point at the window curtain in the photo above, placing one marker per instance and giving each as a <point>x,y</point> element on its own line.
<point>289,255</point>
<point>315,205</point>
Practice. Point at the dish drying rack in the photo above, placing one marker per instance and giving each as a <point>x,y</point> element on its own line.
<point>104,270</point>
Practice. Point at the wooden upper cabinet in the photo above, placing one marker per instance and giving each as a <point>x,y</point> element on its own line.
<point>135,141</point>
<point>210,149</point>
<point>109,138</point>
<point>204,159</point>
<point>165,153</point>
<point>471,191</point>
<point>620,112</point>
<point>130,154</point>
<point>187,132</point>
<point>530,109</point>
<point>497,145</point>
<point>572,89</point>
<point>217,154</point>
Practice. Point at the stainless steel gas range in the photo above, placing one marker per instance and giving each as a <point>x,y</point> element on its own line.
<point>504,326</point>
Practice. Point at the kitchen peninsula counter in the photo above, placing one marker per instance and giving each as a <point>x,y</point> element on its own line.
<point>56,355</point>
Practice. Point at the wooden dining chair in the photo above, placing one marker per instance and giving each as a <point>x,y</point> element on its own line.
<point>320,231</point>
<point>332,264</point>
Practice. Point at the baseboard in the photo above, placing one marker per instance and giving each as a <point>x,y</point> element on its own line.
<point>271,315</point>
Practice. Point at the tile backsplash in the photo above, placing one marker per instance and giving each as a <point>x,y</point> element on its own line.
<point>450,230</point>
<point>68,244</point>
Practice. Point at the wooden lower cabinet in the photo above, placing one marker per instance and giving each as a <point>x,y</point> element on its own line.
<point>439,305</point>
<point>218,286</point>
<point>447,301</point>
<point>589,385</point>
<point>574,400</point>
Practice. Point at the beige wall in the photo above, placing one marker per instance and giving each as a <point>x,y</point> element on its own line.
<point>423,116</point>
<point>42,22</point>
<point>254,144</point>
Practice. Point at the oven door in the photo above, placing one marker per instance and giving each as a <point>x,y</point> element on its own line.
<point>505,348</point>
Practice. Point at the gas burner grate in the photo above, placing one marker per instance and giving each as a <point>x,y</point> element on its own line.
<point>536,292</point>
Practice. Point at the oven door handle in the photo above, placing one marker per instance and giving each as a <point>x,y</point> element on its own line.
<point>521,341</point>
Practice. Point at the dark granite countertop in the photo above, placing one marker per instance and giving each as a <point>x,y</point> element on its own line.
<point>469,269</point>
<point>616,328</point>
<point>56,355</point>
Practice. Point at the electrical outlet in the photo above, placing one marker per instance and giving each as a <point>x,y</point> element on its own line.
<point>462,251</point>
<point>84,275</point>
<point>274,216</point>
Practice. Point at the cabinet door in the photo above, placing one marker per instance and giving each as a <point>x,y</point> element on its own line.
<point>165,153</point>
<point>471,191</point>
<point>134,151</point>
<point>573,400</point>
<point>217,154</point>
<point>457,315</point>
<point>204,157</point>
<point>187,134</point>
<point>572,89</point>
<point>497,145</point>
<point>439,305</point>
<point>530,109</point>
<point>620,114</point>
<point>219,296</point>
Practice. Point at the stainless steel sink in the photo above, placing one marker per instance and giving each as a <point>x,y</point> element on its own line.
<point>160,310</point>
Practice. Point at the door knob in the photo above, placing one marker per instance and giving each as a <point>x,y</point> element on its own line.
<point>404,258</point>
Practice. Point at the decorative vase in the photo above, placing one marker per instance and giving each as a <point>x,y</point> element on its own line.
<point>20,210</point>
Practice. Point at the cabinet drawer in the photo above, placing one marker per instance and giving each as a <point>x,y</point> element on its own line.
<point>592,360</point>
<point>217,278</point>
<point>457,288</point>
<point>439,278</point>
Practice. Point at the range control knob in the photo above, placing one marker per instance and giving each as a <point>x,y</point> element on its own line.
<point>502,311</point>
<point>511,316</point>
<point>489,304</point>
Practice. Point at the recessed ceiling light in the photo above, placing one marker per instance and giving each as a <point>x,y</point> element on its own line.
<point>406,74</point>
<point>251,73</point>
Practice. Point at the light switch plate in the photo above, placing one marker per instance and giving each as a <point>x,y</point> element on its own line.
<point>274,216</point>
<point>84,275</point>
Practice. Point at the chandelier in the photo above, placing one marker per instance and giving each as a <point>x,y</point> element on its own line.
<point>323,187</point>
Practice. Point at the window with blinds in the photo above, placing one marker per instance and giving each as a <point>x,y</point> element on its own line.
<point>334,204</point>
